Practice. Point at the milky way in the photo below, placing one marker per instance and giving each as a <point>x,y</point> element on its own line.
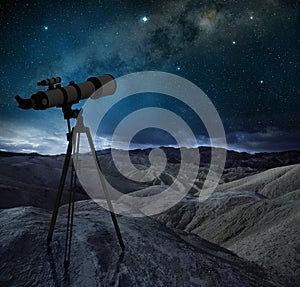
<point>243,54</point>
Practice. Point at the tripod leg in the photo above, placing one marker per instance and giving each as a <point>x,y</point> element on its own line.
<point>60,190</point>
<point>69,230</point>
<point>106,194</point>
<point>76,150</point>
<point>70,221</point>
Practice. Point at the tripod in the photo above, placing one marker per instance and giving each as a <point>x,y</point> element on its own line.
<point>69,113</point>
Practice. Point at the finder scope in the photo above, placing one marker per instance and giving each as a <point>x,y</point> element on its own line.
<point>49,82</point>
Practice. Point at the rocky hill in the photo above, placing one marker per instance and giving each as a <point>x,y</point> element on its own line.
<point>257,217</point>
<point>32,179</point>
<point>254,213</point>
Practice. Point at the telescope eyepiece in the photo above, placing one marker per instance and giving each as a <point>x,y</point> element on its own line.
<point>24,104</point>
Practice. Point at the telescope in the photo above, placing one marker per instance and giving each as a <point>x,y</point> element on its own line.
<point>59,96</point>
<point>65,97</point>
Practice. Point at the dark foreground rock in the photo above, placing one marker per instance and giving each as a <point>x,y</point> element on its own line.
<point>155,255</point>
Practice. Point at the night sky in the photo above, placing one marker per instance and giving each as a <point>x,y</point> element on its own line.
<point>245,55</point>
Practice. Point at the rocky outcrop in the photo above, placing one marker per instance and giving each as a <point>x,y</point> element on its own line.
<point>154,254</point>
<point>256,217</point>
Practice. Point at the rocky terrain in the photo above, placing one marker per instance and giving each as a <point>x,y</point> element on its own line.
<point>155,255</point>
<point>257,217</point>
<point>254,213</point>
<point>32,179</point>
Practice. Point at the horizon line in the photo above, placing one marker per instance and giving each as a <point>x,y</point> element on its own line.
<point>229,149</point>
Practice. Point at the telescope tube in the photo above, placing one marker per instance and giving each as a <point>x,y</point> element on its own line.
<point>105,85</point>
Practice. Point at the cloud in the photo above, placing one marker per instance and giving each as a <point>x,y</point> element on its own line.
<point>29,139</point>
<point>150,138</point>
<point>269,140</point>
<point>26,139</point>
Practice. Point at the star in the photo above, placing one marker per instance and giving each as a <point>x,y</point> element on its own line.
<point>178,68</point>
<point>261,81</point>
<point>145,19</point>
<point>45,28</point>
<point>251,17</point>
<point>233,42</point>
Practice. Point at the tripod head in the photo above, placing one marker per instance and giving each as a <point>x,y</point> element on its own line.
<point>69,114</point>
